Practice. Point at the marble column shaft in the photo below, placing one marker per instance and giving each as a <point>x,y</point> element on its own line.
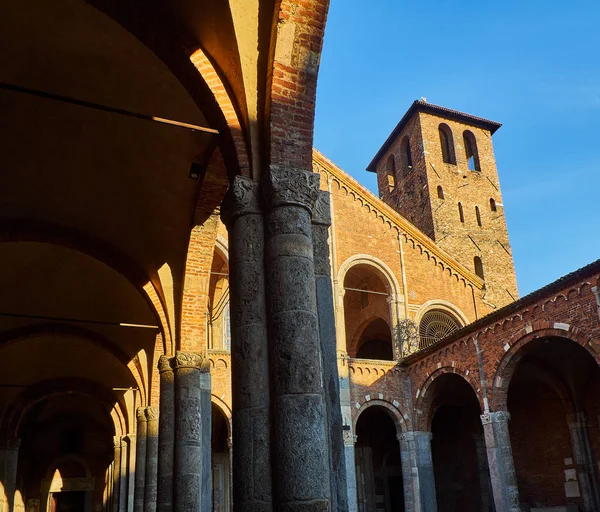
<point>151,459</point>
<point>9,456</point>
<point>327,334</point>
<point>417,472</point>
<point>191,420</point>
<point>140,460</point>
<point>584,461</point>
<point>300,455</point>
<point>116,492</point>
<point>500,461</point>
<point>166,437</point>
<point>251,458</point>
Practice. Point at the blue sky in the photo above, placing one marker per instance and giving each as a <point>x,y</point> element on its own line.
<point>532,65</point>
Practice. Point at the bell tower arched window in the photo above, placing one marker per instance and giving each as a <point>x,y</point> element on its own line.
<point>478,264</point>
<point>407,155</point>
<point>471,151</point>
<point>447,144</point>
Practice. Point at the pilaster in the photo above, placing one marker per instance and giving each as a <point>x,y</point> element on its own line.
<point>140,460</point>
<point>151,458</point>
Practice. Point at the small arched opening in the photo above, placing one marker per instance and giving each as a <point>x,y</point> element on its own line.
<point>219,328</point>
<point>461,213</point>
<point>471,151</point>
<point>478,216</point>
<point>378,465</point>
<point>367,313</point>
<point>493,204</point>
<point>460,466</point>
<point>407,160</point>
<point>447,144</point>
<point>440,192</point>
<point>478,266</point>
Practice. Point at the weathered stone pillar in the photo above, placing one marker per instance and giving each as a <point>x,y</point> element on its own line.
<point>191,420</point>
<point>351,484</point>
<point>9,456</point>
<point>500,461</point>
<point>584,461</point>
<point>116,492</point>
<point>140,460</point>
<point>327,334</point>
<point>251,458</point>
<point>123,487</point>
<point>300,457</point>
<point>151,459</point>
<point>485,489</point>
<point>131,440</point>
<point>417,472</point>
<point>166,436</point>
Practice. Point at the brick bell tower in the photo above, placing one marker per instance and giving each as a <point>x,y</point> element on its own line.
<point>437,169</point>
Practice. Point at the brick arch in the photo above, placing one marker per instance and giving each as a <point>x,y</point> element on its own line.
<point>84,243</point>
<point>360,330</point>
<point>508,365</point>
<point>424,398</point>
<point>172,43</point>
<point>296,47</point>
<point>11,420</point>
<point>74,331</point>
<point>392,410</point>
<point>377,265</point>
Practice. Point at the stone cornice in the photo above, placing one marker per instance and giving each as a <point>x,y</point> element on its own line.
<point>388,214</point>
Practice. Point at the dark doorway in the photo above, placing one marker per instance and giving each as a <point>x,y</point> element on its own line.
<point>68,502</point>
<point>378,467</point>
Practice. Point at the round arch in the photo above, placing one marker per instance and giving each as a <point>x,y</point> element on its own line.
<point>225,410</point>
<point>380,267</point>
<point>508,365</point>
<point>442,305</point>
<point>424,400</point>
<point>391,410</point>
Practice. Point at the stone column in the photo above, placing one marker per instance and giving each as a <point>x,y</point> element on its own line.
<point>140,460</point>
<point>300,442</point>
<point>394,319</point>
<point>123,486</point>
<point>327,334</point>
<point>500,461</point>
<point>151,459</point>
<point>484,473</point>
<point>166,436</point>
<point>191,420</point>
<point>417,472</point>
<point>251,459</point>
<point>116,493</point>
<point>584,461</point>
<point>9,456</point>
<point>131,472</point>
<point>351,484</point>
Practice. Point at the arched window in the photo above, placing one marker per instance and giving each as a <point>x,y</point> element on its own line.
<point>460,213</point>
<point>391,172</point>
<point>440,192</point>
<point>435,326</point>
<point>226,329</point>
<point>478,215</point>
<point>407,154</point>
<point>478,266</point>
<point>471,151</point>
<point>492,204</point>
<point>447,144</point>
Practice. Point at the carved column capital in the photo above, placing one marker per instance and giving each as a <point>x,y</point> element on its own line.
<point>242,198</point>
<point>190,360</point>
<point>295,187</point>
<point>495,417</point>
<point>321,214</point>
<point>152,413</point>
<point>141,414</point>
<point>164,364</point>
<point>13,443</point>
